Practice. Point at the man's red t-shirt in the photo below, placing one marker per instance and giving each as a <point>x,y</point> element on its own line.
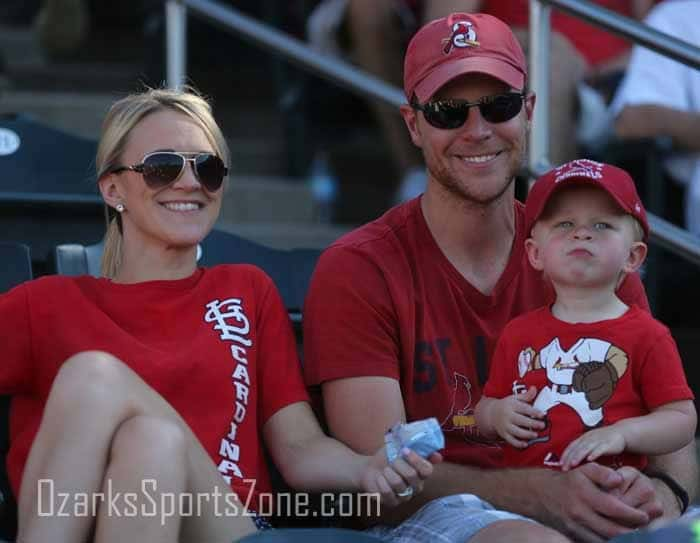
<point>385,301</point>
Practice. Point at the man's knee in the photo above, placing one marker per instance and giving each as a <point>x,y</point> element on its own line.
<point>518,531</point>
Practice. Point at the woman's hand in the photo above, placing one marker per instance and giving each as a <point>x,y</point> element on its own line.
<point>397,482</point>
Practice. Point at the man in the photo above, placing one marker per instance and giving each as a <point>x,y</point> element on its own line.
<point>403,313</point>
<point>660,97</point>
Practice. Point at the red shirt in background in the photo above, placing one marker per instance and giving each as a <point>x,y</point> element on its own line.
<point>594,43</point>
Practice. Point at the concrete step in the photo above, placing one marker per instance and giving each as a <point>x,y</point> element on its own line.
<point>80,114</point>
<point>257,191</point>
<point>263,199</point>
<point>93,69</point>
<point>19,46</point>
<point>255,138</point>
<point>286,235</point>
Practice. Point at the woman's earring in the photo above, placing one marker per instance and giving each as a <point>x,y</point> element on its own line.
<point>120,208</point>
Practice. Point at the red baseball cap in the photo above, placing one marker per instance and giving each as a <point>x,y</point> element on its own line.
<point>615,181</point>
<point>459,44</point>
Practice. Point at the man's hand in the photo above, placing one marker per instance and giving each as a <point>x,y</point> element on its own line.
<point>596,380</point>
<point>592,445</point>
<point>650,495</point>
<point>639,491</point>
<point>587,502</point>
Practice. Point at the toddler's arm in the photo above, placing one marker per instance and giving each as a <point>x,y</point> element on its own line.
<point>666,429</point>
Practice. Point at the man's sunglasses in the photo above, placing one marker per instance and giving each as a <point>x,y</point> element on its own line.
<point>161,168</point>
<point>451,114</point>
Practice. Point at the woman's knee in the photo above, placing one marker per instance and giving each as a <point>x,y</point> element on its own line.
<point>89,376</point>
<point>143,438</point>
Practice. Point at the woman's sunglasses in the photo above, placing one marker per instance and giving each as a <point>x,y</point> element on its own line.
<point>161,168</point>
<point>451,114</point>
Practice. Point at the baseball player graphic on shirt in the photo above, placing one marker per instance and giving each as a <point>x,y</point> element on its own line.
<point>583,377</point>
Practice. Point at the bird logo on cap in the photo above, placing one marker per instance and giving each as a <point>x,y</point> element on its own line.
<point>463,35</point>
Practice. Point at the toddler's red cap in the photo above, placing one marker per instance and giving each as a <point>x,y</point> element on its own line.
<point>615,181</point>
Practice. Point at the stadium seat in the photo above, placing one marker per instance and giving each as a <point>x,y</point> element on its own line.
<point>48,193</point>
<point>16,265</point>
<point>16,268</point>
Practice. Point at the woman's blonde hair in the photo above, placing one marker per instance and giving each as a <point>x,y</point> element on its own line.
<point>121,119</point>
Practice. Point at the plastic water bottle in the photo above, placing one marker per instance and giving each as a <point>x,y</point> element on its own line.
<point>324,188</point>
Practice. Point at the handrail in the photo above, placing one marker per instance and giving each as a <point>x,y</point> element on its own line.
<point>540,31</point>
<point>663,233</point>
<point>349,77</point>
<point>640,33</point>
<point>674,239</point>
<point>331,68</point>
<point>176,44</point>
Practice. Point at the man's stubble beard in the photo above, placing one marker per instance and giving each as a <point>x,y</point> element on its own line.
<point>453,186</point>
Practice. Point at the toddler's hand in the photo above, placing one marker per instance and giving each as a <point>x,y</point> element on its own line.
<point>515,420</point>
<point>591,446</point>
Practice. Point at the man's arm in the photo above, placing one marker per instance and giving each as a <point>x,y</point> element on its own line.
<point>359,410</point>
<point>655,98</point>
<point>653,120</point>
<point>682,466</point>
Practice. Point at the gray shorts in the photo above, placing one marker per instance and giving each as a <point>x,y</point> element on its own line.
<point>452,519</point>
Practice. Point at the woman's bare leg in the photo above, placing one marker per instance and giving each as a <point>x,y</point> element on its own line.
<point>93,395</point>
<point>136,468</point>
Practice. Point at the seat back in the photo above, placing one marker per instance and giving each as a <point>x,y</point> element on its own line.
<point>16,265</point>
<point>16,268</point>
<point>48,193</point>
<point>290,270</point>
<point>75,259</point>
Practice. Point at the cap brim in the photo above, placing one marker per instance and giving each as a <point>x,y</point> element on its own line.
<point>450,70</point>
<point>575,180</point>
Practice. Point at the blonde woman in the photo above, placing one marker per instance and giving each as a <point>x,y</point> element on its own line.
<point>160,378</point>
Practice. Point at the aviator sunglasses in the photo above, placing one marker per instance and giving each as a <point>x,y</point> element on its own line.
<point>451,114</point>
<point>161,168</point>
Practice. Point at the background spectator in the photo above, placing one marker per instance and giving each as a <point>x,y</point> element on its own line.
<point>378,31</point>
<point>661,97</point>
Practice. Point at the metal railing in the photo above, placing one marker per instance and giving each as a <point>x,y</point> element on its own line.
<point>354,80</point>
<point>294,50</point>
<point>663,233</point>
